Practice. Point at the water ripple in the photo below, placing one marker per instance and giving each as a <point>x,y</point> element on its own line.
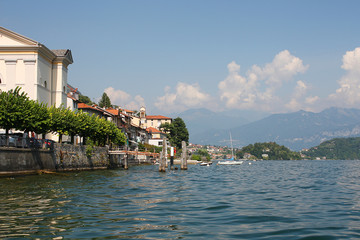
<point>264,200</point>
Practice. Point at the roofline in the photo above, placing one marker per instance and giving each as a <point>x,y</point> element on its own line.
<point>157,117</point>
<point>18,36</point>
<point>36,47</point>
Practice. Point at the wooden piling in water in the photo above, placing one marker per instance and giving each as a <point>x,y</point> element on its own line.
<point>126,159</point>
<point>166,147</point>
<point>162,162</point>
<point>183,156</point>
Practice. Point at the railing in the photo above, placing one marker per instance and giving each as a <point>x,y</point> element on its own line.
<point>118,149</point>
<point>25,142</point>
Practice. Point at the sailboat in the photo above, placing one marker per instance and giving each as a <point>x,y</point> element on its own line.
<point>232,160</point>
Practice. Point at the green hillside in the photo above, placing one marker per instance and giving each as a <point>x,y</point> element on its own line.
<point>337,148</point>
<point>268,151</point>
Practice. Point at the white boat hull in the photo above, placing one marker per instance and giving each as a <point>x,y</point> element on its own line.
<point>205,163</point>
<point>232,162</point>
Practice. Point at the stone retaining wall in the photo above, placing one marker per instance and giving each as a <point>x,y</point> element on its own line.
<point>25,160</point>
<point>69,157</point>
<point>63,157</point>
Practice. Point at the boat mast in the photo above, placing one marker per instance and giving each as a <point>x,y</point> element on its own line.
<point>232,148</point>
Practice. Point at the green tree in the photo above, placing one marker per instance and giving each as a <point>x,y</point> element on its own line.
<point>20,113</point>
<point>337,148</point>
<point>61,120</point>
<point>15,110</point>
<point>85,99</point>
<point>200,154</point>
<point>85,130</point>
<point>39,119</point>
<point>105,101</point>
<point>176,131</point>
<point>196,157</point>
<point>273,151</point>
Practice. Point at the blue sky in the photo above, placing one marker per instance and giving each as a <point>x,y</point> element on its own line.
<point>273,56</point>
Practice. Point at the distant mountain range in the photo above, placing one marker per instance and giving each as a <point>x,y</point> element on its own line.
<point>296,130</point>
<point>202,120</point>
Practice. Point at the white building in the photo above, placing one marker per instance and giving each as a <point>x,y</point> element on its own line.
<point>40,72</point>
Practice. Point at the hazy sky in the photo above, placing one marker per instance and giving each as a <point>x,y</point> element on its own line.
<point>274,56</point>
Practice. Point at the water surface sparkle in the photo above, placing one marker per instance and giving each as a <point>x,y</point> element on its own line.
<point>264,200</point>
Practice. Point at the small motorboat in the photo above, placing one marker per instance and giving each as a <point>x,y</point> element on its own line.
<point>205,163</point>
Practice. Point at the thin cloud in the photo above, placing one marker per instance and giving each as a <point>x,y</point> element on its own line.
<point>124,100</point>
<point>185,96</point>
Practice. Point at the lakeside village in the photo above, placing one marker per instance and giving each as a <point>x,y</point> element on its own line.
<point>39,74</point>
<point>30,68</point>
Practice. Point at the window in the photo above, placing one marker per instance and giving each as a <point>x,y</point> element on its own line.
<point>45,84</point>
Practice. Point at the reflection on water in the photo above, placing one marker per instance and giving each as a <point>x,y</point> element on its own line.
<point>265,200</point>
<point>29,206</point>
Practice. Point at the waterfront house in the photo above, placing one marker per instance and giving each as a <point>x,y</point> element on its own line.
<point>155,121</point>
<point>156,136</point>
<point>39,71</point>
<point>130,125</point>
<point>96,110</point>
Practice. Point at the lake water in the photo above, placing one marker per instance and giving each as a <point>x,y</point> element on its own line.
<point>264,200</point>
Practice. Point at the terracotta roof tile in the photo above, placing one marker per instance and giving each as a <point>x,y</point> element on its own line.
<point>158,117</point>
<point>153,130</point>
<point>83,105</point>
<point>113,111</point>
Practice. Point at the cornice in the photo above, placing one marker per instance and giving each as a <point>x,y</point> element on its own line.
<point>46,53</point>
<point>19,49</point>
<point>33,47</point>
<point>18,37</point>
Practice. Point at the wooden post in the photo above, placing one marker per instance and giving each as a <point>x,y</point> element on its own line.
<point>126,167</point>
<point>166,162</point>
<point>162,162</point>
<point>137,156</point>
<point>183,156</point>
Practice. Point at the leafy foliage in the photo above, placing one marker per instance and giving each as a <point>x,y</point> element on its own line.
<point>269,150</point>
<point>20,113</point>
<point>337,148</point>
<point>15,110</point>
<point>149,148</point>
<point>200,154</point>
<point>196,157</point>
<point>105,101</point>
<point>39,119</point>
<point>85,99</point>
<point>177,132</point>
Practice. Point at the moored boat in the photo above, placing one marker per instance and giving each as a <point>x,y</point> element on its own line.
<point>205,163</point>
<point>232,160</point>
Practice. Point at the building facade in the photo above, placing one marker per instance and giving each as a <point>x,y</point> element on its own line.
<point>155,121</point>
<point>39,71</point>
